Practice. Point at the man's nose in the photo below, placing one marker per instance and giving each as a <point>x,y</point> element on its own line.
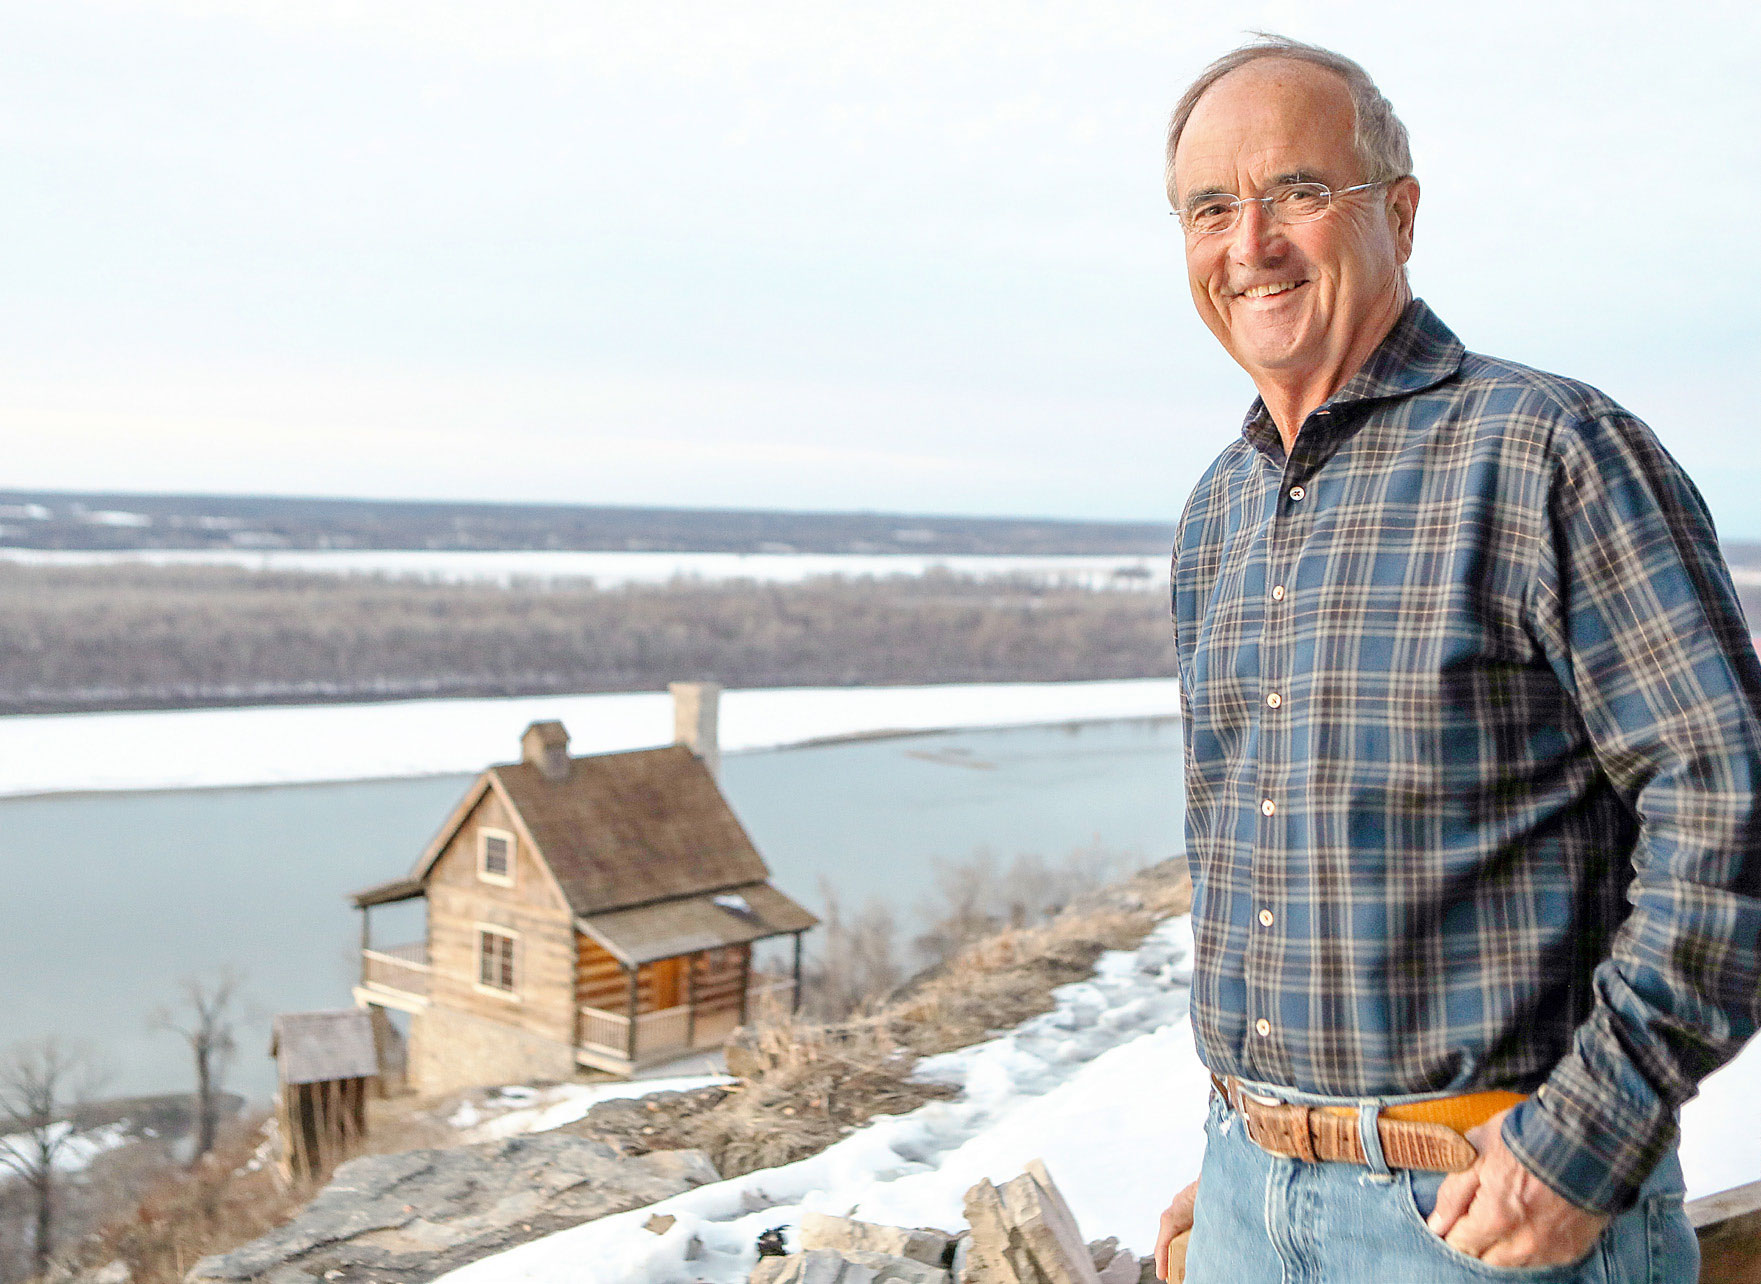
<point>1256,235</point>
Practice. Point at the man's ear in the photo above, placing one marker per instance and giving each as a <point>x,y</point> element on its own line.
<point>1403,211</point>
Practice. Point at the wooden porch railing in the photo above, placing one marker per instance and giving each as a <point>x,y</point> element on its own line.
<point>674,1029</point>
<point>397,967</point>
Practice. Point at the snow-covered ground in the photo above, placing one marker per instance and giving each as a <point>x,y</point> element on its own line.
<point>198,748</point>
<point>610,569</point>
<point>74,1154</point>
<point>1105,1088</point>
<point>516,1110</point>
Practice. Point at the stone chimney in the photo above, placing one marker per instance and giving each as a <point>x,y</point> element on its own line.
<point>546,746</point>
<point>694,717</point>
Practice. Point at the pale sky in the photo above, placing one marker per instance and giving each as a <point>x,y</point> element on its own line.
<point>907,256</point>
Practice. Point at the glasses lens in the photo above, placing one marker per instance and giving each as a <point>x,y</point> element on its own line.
<point>1212,214</point>
<point>1299,202</point>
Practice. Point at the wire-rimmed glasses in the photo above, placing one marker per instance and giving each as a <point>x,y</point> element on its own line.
<point>1215,212</point>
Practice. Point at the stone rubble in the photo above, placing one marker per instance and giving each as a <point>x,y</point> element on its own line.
<point>1022,1233</point>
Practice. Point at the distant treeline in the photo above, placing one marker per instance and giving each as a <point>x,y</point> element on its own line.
<point>135,637</point>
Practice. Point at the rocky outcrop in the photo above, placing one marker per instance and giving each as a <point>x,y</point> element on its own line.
<point>1022,1233</point>
<point>408,1218</point>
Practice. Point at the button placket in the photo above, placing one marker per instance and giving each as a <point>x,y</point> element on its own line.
<point>1267,876</point>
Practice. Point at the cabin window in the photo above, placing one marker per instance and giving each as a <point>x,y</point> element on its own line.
<point>495,856</point>
<point>495,960</point>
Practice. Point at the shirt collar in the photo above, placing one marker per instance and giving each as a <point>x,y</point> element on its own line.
<point>1420,352</point>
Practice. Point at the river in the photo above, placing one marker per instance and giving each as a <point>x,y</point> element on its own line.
<point>112,898</point>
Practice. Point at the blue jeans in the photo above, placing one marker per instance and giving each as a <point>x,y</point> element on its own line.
<point>1265,1220</point>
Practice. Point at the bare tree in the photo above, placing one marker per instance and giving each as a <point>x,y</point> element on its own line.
<point>203,1017</point>
<point>42,1081</point>
<point>978,896</point>
<point>856,962</point>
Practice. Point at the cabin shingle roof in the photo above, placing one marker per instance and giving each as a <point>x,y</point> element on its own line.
<point>687,924</point>
<point>626,829</point>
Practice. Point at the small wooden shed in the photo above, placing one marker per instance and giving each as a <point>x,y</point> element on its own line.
<point>325,1063</point>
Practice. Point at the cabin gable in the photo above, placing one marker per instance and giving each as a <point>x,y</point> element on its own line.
<point>500,936</point>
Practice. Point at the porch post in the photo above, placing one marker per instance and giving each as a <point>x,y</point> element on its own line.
<point>795,998</point>
<point>691,1000</point>
<point>631,1050</point>
<point>745,980</point>
<point>366,940</point>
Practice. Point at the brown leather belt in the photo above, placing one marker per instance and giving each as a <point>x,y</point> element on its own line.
<point>1414,1134</point>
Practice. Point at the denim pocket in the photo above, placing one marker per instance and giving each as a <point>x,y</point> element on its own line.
<point>1417,1194</point>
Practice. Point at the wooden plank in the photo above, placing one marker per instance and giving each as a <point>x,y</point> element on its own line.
<point>1729,1228</point>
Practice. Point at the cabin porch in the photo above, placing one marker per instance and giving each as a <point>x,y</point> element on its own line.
<point>613,1042</point>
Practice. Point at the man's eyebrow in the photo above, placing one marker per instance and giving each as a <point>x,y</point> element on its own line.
<point>1205,194</point>
<point>1277,180</point>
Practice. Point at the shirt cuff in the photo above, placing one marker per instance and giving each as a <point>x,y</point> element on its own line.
<point>1589,1143</point>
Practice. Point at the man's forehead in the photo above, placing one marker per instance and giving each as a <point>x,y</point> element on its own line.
<point>1275,117</point>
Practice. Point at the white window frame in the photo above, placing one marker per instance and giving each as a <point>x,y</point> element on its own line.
<point>484,834</point>
<point>507,934</point>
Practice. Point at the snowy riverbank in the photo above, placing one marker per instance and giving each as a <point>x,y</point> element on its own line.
<point>204,748</point>
<point>1124,571</point>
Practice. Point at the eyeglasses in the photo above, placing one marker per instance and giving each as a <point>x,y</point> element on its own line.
<point>1285,203</point>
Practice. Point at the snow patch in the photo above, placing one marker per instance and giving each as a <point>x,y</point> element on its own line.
<point>516,1110</point>
<point>76,1150</point>
<point>1095,571</point>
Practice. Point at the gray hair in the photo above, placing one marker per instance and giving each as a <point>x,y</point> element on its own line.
<point>1378,135</point>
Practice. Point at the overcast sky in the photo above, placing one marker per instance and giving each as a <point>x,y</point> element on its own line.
<point>907,256</point>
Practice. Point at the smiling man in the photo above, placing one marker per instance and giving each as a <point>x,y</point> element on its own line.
<point>1473,751</point>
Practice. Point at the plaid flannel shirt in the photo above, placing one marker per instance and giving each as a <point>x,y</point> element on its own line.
<point>1473,753</point>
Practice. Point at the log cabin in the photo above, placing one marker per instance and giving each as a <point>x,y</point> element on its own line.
<point>596,912</point>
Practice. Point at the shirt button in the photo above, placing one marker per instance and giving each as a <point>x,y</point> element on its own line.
<point>1265,918</point>
<point>1274,700</point>
<point>1277,592</point>
<point>1297,492</point>
<point>1268,807</point>
<point>1262,1027</point>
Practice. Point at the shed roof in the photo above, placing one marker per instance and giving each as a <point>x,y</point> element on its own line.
<point>311,1047</point>
<point>706,921</point>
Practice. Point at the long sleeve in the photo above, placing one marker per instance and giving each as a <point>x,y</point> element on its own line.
<point>1635,612</point>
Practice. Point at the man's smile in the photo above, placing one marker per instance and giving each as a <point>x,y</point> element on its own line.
<point>1269,289</point>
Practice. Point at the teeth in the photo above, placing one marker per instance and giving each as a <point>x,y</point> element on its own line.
<point>1261,291</point>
